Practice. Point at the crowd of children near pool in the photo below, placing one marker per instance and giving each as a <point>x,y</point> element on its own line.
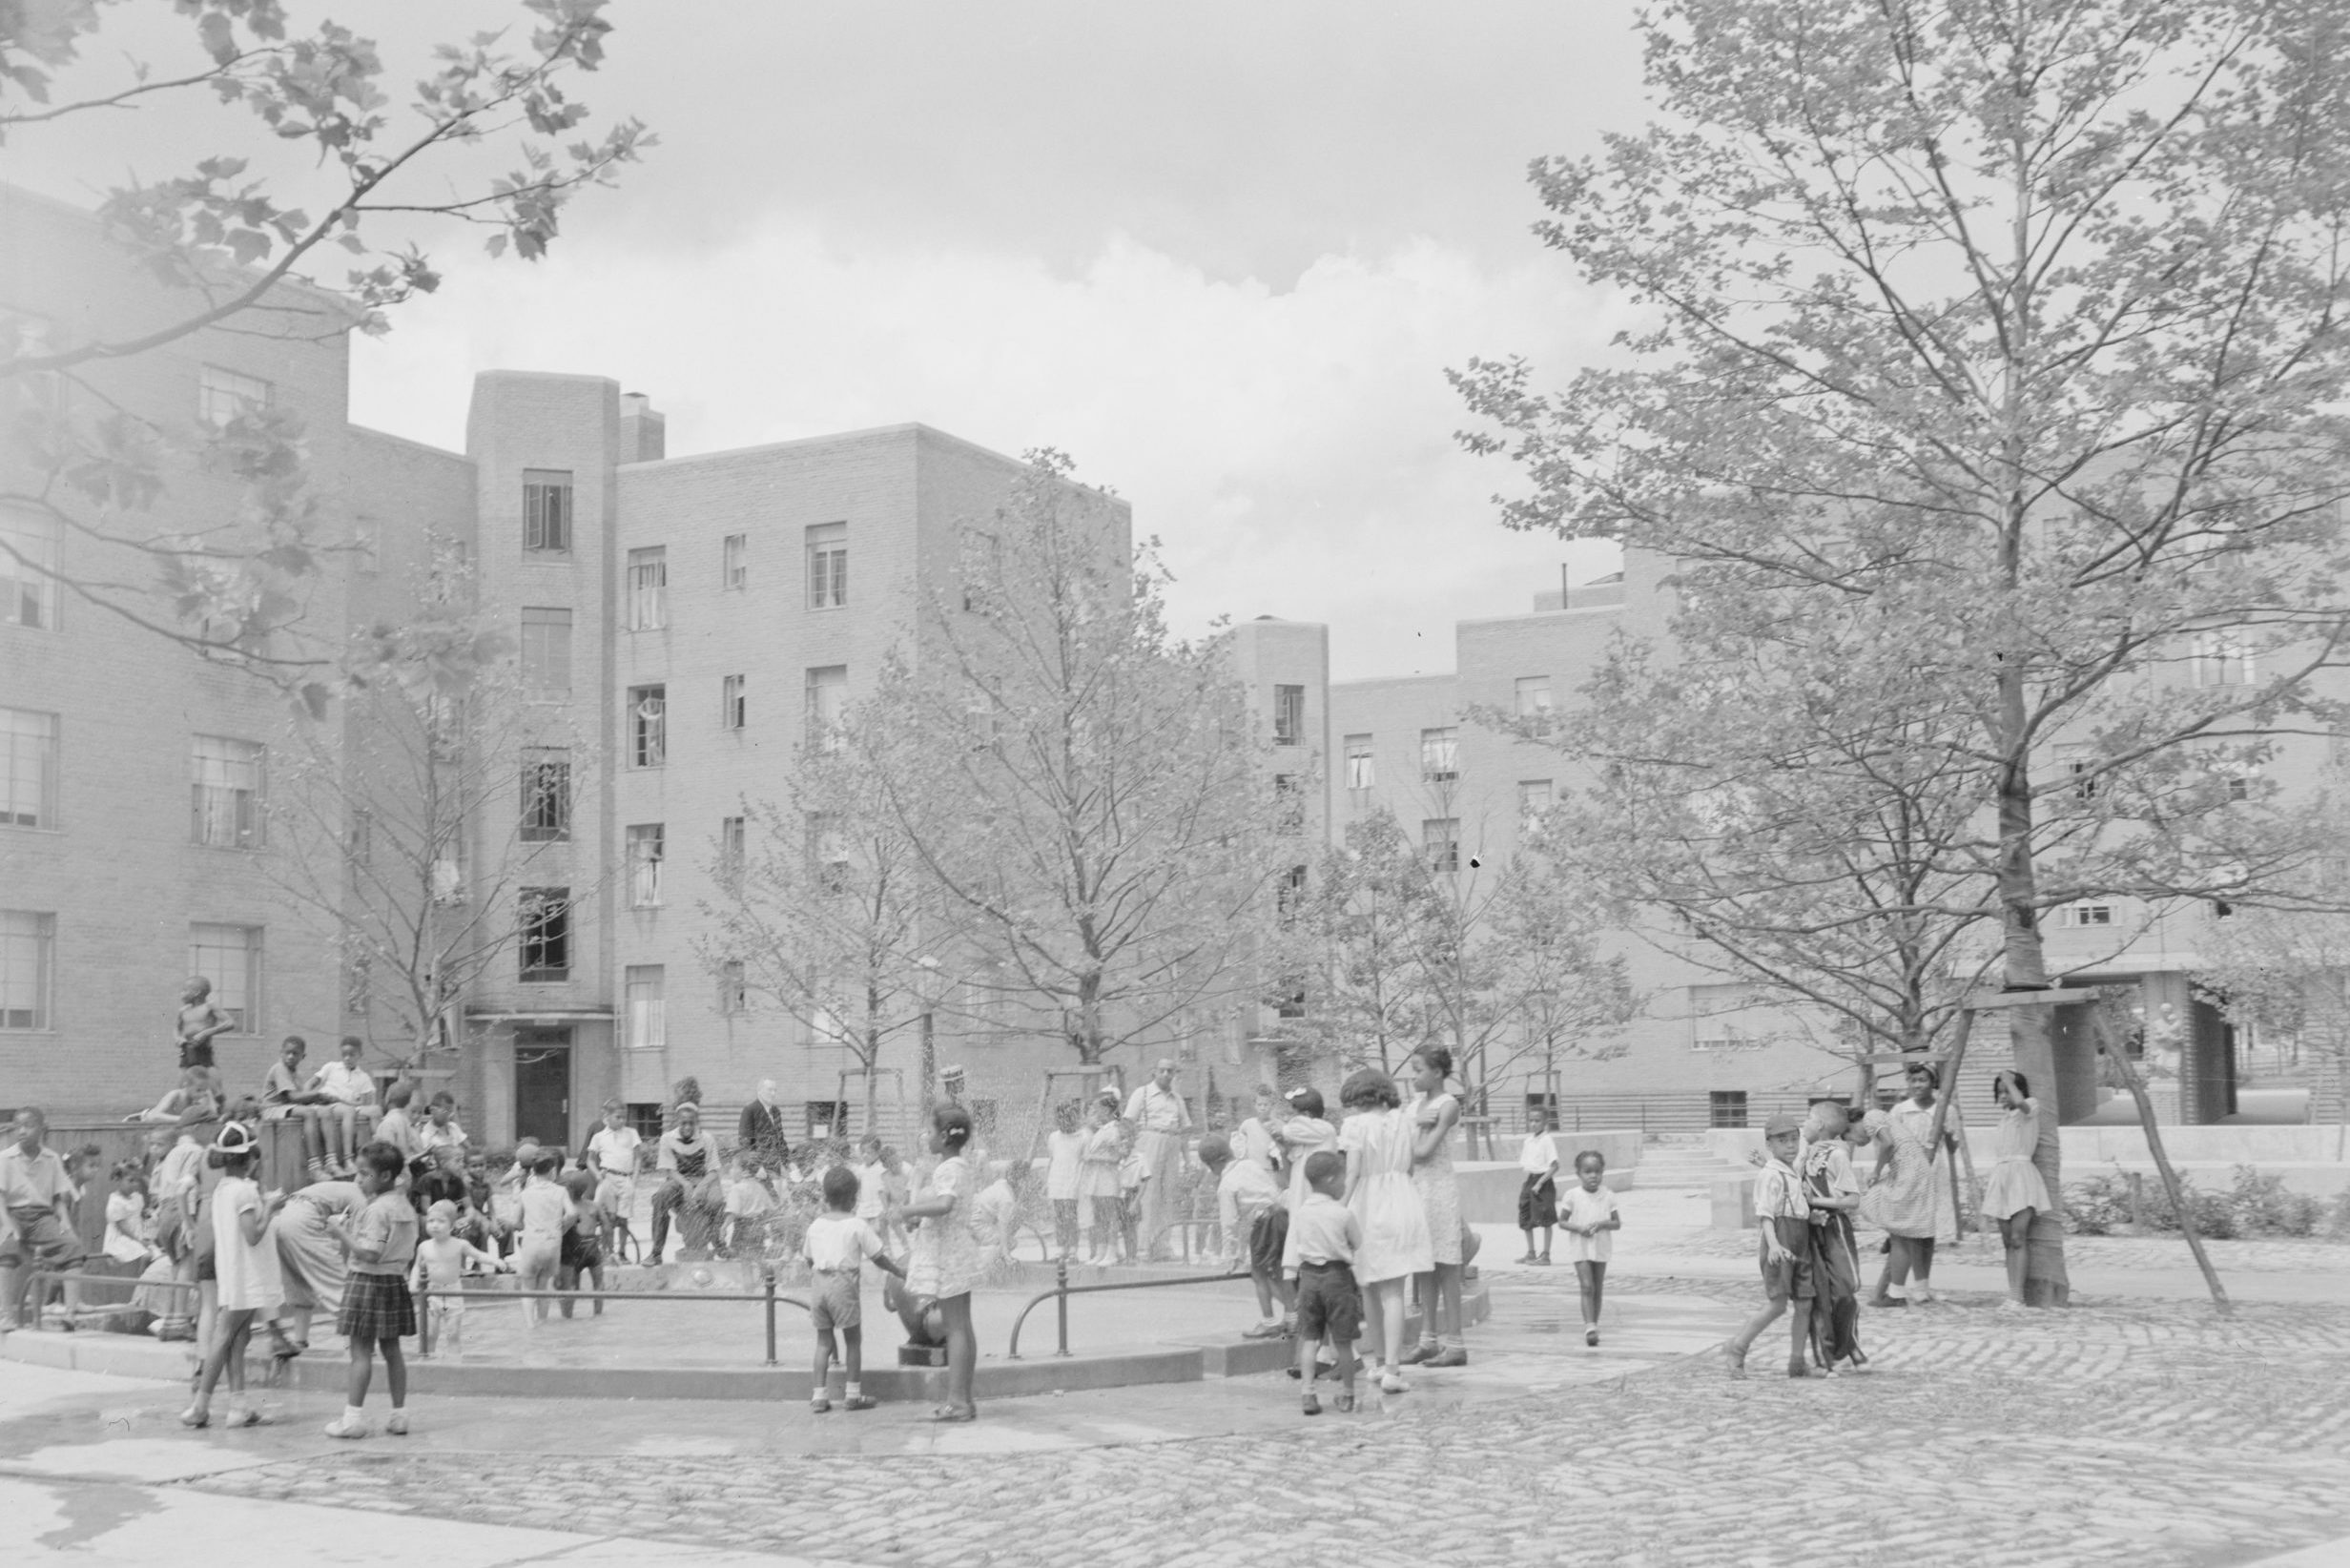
<point>1332,1223</point>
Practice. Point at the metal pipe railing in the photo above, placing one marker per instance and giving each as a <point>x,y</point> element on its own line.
<point>1062,1291</point>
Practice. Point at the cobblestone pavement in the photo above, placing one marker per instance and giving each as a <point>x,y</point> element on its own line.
<point>2138,1434</point>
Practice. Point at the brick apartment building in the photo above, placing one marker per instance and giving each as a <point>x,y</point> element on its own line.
<point>686,617</point>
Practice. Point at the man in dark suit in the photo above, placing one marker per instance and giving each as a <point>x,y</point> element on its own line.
<point>760,1138</point>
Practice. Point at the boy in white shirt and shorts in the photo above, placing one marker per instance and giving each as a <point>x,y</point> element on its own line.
<point>837,1248</point>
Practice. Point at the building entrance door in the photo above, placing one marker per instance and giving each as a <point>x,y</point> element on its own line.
<point>543,1086</point>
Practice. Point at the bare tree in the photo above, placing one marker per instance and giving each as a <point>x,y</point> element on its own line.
<point>1082,785</point>
<point>412,820</point>
<point>235,249</point>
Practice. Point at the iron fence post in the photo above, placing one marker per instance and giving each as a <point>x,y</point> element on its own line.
<point>767,1283</point>
<point>1061,1302</point>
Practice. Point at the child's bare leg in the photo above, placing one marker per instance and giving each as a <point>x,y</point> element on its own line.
<point>1798,1337</point>
<point>1265,1294</point>
<point>567,1279</point>
<point>1596,1292</point>
<point>451,1341</point>
<point>363,1368</point>
<point>395,1372</point>
<point>595,1279</point>
<point>962,1352</point>
<point>819,1378</point>
<point>217,1359</point>
<point>1546,1242</point>
<point>2015,1230</point>
<point>1448,1296</point>
<point>853,1353</point>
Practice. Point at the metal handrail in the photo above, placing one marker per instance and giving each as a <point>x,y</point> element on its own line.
<point>1062,1291</point>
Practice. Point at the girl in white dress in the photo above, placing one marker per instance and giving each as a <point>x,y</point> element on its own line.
<point>2015,1192</point>
<point>1433,1114</point>
<point>1589,1216</point>
<point>1377,1141</point>
<point>246,1262</point>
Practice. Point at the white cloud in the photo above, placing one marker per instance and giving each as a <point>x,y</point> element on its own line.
<point>1292,448</point>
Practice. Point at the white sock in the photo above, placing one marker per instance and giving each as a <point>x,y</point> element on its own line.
<point>352,1414</point>
<point>854,1390</point>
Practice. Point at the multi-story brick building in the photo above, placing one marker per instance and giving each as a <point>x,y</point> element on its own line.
<point>680,622</point>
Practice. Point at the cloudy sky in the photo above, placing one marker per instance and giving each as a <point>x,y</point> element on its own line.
<point>1222,252</point>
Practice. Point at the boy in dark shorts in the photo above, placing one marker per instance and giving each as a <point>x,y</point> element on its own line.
<point>1783,1213</point>
<point>838,1247</point>
<point>1323,1233</point>
<point>1254,1218</point>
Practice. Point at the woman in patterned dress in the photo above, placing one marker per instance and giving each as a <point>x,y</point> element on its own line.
<point>1433,1114</point>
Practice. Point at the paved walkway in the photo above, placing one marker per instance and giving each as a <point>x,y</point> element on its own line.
<point>2141,1431</point>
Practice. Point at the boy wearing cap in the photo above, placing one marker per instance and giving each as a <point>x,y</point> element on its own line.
<point>1251,1208</point>
<point>1783,1213</point>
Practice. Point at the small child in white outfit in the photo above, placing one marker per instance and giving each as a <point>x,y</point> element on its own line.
<point>838,1247</point>
<point>441,1261</point>
<point>1590,1218</point>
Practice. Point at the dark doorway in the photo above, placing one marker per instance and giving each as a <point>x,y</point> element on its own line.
<point>543,1086</point>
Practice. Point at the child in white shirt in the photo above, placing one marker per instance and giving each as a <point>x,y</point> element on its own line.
<point>1538,1196</point>
<point>1064,1160</point>
<point>1591,1220</point>
<point>837,1248</point>
<point>1254,1216</point>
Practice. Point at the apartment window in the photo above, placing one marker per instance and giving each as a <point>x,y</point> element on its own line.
<point>2080,764</point>
<point>644,987</point>
<point>1440,842</point>
<point>1440,754</point>
<point>2085,915</point>
<point>735,562</point>
<point>1289,804</point>
<point>649,589</point>
<point>1361,772</point>
<point>2222,660</point>
<point>734,991</point>
<point>230,957</point>
<point>650,1120</point>
<point>1727,1108</point>
<point>28,570</point>
<point>730,846</point>
<point>645,857</point>
<point>225,810</point>
<point>1289,715</point>
<point>28,955</point>
<point>649,726</point>
<point>828,852</point>
<point>545,916</point>
<point>1290,895</point>
<point>734,711</point>
<point>1533,696</point>
<point>546,650</point>
<point>828,703</point>
<point>224,395</point>
<point>830,1119</point>
<point>1533,804</point>
<point>1291,1004</point>
<point>828,565</point>
<point>27,768</point>
<point>546,510</point>
<point>546,795</point>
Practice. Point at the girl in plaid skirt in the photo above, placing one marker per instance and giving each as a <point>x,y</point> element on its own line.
<point>377,1311</point>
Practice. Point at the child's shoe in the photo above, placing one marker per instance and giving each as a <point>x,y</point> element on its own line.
<point>1456,1355</point>
<point>1263,1331</point>
<point>859,1401</point>
<point>1591,1336</point>
<point>1310,1405</point>
<point>195,1416</point>
<point>1391,1383</point>
<point>1427,1350</point>
<point>1344,1402</point>
<point>396,1424</point>
<point>819,1405</point>
<point>1738,1361</point>
<point>347,1424</point>
<point>1799,1368</point>
<point>244,1417</point>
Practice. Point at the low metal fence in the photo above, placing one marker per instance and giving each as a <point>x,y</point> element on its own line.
<point>1062,1291</point>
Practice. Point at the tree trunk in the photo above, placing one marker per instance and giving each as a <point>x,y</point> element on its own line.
<point>2170,1178</point>
<point>2046,1283</point>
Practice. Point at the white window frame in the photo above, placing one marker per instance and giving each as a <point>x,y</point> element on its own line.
<point>734,845</point>
<point>733,706</point>
<point>649,589</point>
<point>733,989</point>
<point>828,565</point>
<point>227,780</point>
<point>644,994</point>
<point>828,703</point>
<point>1362,763</point>
<point>1289,715</point>
<point>230,957</point>
<point>223,395</point>
<point>547,511</point>
<point>530,909</point>
<point>28,575</point>
<point>28,971</point>
<point>28,768</point>
<point>1534,697</point>
<point>647,849</point>
<point>735,563</point>
<point>2086,916</point>
<point>1440,754</point>
<point>649,726</point>
<point>2221,659</point>
<point>1530,810</point>
<point>546,776</point>
<point>1448,860</point>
